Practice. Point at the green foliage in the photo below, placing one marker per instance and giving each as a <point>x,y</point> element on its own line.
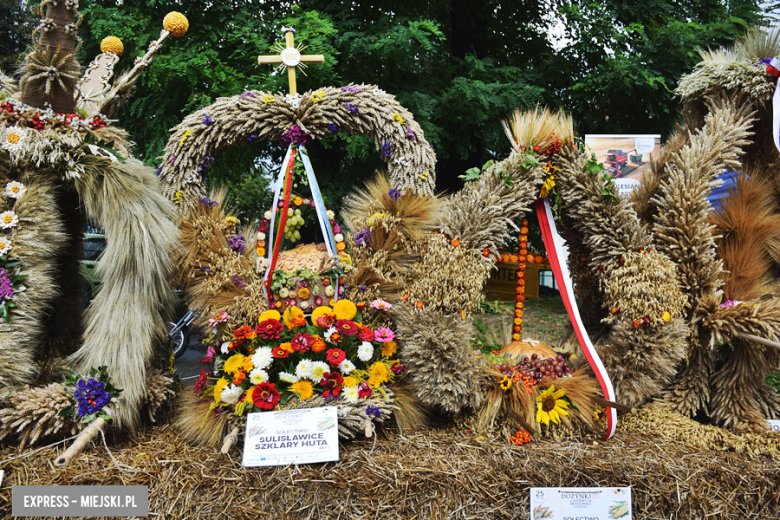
<point>773,380</point>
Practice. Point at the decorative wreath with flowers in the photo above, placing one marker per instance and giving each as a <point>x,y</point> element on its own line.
<point>336,357</point>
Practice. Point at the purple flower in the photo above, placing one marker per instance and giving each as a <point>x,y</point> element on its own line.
<point>205,163</point>
<point>337,229</point>
<point>373,410</point>
<point>363,237</point>
<point>262,228</point>
<point>385,151</point>
<point>303,283</point>
<point>295,136</point>
<point>410,134</point>
<point>91,396</point>
<point>251,138</point>
<point>6,290</point>
<point>333,128</point>
<point>208,202</point>
<point>159,171</point>
<point>352,108</point>
<point>398,368</point>
<point>237,243</point>
<point>245,94</point>
<point>765,62</point>
<point>173,159</point>
<point>207,121</point>
<point>393,194</point>
<point>363,287</point>
<point>352,89</point>
<point>238,281</point>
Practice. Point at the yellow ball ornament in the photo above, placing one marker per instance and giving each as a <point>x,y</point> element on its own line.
<point>176,24</point>
<point>112,44</point>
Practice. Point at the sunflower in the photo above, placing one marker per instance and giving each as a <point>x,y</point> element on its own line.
<point>506,383</point>
<point>551,406</point>
<point>304,389</point>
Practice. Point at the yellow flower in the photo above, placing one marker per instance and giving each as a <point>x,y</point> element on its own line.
<point>232,221</point>
<point>248,365</point>
<point>269,315</point>
<point>268,99</point>
<point>666,316</point>
<point>293,317</point>
<point>221,384</point>
<point>599,415</point>
<point>375,218</point>
<point>233,363</point>
<point>350,381</point>
<point>389,348</point>
<point>344,310</point>
<point>303,389</point>
<point>398,119</point>
<point>506,383</point>
<point>176,24</point>
<point>550,406</point>
<point>345,259</point>
<point>177,197</point>
<point>548,185</point>
<point>378,374</point>
<point>187,134</point>
<point>320,312</point>
<point>317,96</point>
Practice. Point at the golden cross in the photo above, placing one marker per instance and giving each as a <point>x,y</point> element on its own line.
<point>290,57</point>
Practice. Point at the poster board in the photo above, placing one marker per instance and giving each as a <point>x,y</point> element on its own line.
<point>625,156</point>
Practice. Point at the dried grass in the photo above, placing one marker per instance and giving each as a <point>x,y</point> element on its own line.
<point>435,473</point>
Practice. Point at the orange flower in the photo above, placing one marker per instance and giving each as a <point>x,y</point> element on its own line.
<point>318,345</point>
<point>486,252</point>
<point>538,259</point>
<point>516,336</point>
<point>614,310</point>
<point>520,289</point>
<point>239,377</point>
<point>455,242</point>
<point>419,304</point>
<point>529,259</point>
<point>518,305</point>
<point>304,293</point>
<point>520,274</point>
<point>293,317</point>
<point>261,243</point>
<point>523,252</point>
<point>287,347</point>
<point>520,298</point>
<point>518,321</point>
<point>524,230</point>
<point>637,324</point>
<point>666,316</point>
<point>505,258</point>
<point>405,297</point>
<point>519,313</point>
<point>522,239</point>
<point>298,201</point>
<point>341,246</point>
<point>517,328</point>
<point>513,259</point>
<point>260,251</point>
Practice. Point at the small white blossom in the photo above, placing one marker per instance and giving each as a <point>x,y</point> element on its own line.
<point>263,357</point>
<point>231,394</point>
<point>365,351</point>
<point>351,394</point>
<point>346,366</point>
<point>258,376</point>
<point>14,189</point>
<point>287,377</point>
<point>225,347</point>
<point>339,238</point>
<point>304,368</point>
<point>5,245</point>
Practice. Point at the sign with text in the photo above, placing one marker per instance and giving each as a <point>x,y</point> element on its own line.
<point>302,436</point>
<point>580,503</point>
<point>625,156</point>
<point>774,425</point>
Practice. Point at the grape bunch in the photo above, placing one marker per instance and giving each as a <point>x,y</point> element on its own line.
<point>535,368</point>
<point>294,223</point>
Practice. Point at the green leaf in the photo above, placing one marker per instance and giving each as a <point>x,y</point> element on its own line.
<point>472,174</point>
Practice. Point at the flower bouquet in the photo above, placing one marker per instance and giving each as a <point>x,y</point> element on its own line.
<point>289,361</point>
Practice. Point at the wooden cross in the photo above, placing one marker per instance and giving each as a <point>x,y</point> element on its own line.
<point>290,57</point>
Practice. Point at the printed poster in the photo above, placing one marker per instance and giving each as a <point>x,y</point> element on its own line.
<point>626,157</point>
<point>581,503</point>
<point>302,436</point>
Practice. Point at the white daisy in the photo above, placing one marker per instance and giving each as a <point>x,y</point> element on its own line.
<point>351,394</point>
<point>329,291</point>
<point>339,238</point>
<point>260,236</point>
<point>263,357</point>
<point>8,219</point>
<point>5,245</point>
<point>330,214</point>
<point>329,333</point>
<point>14,138</point>
<point>267,215</point>
<point>258,376</point>
<point>346,366</point>
<point>287,377</point>
<point>365,351</point>
<point>284,293</point>
<point>304,368</point>
<point>14,189</point>
<point>318,370</point>
<point>231,394</point>
<point>225,347</point>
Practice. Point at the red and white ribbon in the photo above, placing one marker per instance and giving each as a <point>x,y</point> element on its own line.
<point>558,253</point>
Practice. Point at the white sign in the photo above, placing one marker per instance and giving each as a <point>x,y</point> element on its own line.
<point>626,186</point>
<point>774,425</point>
<point>302,436</point>
<point>291,57</point>
<point>644,144</point>
<point>580,503</point>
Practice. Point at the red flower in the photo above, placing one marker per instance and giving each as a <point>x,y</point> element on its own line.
<point>324,321</point>
<point>331,382</point>
<point>347,327</point>
<point>364,390</point>
<point>270,329</point>
<point>265,396</point>
<point>200,384</point>
<point>366,334</point>
<point>335,356</point>
<point>302,342</point>
<point>242,334</point>
<point>279,352</point>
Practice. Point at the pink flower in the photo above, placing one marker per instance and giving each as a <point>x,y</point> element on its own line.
<point>384,335</point>
<point>381,305</point>
<point>210,353</point>
<point>222,317</point>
